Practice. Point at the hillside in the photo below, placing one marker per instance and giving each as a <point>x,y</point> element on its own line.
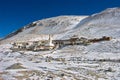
<point>100,24</point>
<point>105,23</point>
<point>56,26</point>
<point>96,61</point>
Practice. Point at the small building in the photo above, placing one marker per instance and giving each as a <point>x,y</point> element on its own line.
<point>45,45</point>
<point>49,45</point>
<point>18,45</point>
<point>104,38</point>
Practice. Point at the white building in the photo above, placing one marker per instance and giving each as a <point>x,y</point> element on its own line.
<point>49,44</point>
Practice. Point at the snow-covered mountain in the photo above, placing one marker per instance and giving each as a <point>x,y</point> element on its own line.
<point>97,61</point>
<point>41,29</point>
<point>105,23</point>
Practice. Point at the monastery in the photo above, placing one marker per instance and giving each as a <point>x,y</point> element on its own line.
<point>51,44</point>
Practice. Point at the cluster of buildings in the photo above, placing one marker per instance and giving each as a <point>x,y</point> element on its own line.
<point>52,44</point>
<point>34,45</point>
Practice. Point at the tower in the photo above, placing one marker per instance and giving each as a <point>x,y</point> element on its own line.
<point>50,39</point>
<point>50,44</point>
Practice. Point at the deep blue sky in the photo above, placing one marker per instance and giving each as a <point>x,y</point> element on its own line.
<point>17,13</point>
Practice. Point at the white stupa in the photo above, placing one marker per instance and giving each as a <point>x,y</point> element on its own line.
<point>50,44</point>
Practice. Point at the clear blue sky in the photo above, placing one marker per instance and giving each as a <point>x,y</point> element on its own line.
<point>14,14</point>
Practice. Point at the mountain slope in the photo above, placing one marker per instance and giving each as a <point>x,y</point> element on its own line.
<point>97,61</point>
<point>105,23</point>
<point>54,26</point>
